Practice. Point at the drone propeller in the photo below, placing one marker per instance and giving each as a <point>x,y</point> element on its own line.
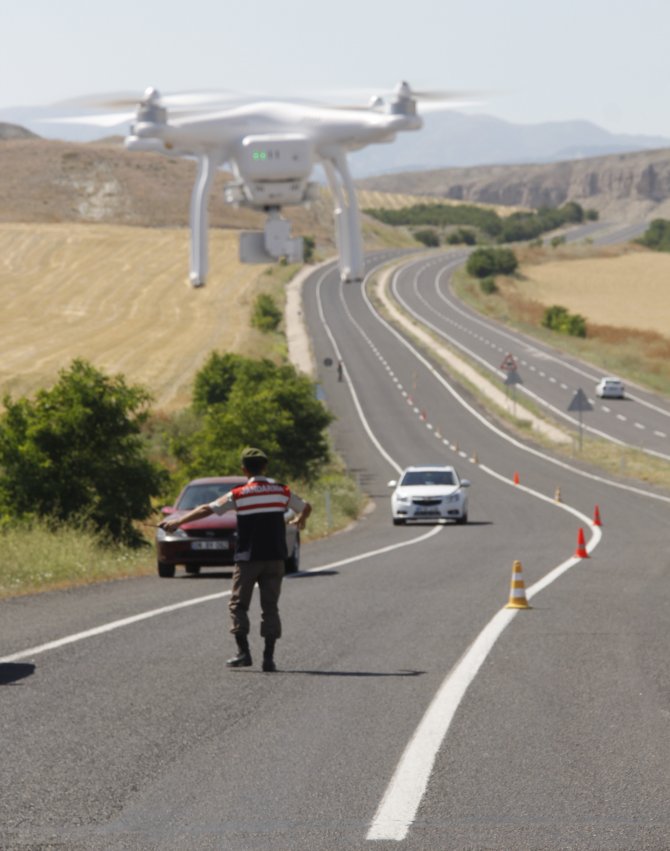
<point>118,108</point>
<point>433,99</point>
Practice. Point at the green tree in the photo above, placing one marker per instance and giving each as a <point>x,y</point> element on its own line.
<point>214,380</point>
<point>75,453</point>
<point>427,237</point>
<point>484,262</point>
<point>308,246</point>
<point>281,414</point>
<point>657,235</point>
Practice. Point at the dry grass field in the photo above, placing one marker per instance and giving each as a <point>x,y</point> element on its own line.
<point>117,296</point>
<point>369,198</point>
<point>631,290</point>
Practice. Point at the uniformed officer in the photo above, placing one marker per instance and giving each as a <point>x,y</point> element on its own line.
<point>260,550</point>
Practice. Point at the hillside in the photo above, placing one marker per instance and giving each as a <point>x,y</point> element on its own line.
<point>628,187</point>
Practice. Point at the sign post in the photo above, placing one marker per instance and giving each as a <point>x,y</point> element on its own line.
<point>512,377</point>
<point>580,403</point>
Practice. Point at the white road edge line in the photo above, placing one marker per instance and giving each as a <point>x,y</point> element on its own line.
<point>397,810</point>
<point>163,610</point>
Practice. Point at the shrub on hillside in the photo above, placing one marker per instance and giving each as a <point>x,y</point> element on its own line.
<point>427,237</point>
<point>485,262</point>
<point>558,318</point>
<point>657,235</point>
<point>265,314</point>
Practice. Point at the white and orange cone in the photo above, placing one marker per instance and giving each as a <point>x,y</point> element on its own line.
<point>517,593</point>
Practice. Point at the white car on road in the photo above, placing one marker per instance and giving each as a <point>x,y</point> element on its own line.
<point>430,492</point>
<point>610,388</point>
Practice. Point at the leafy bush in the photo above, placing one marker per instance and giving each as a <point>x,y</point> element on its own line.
<point>657,235</point>
<point>75,453</point>
<point>265,315</point>
<point>484,262</point>
<point>556,241</point>
<point>558,318</point>
<point>427,237</point>
<point>462,236</point>
<point>308,246</point>
<point>488,286</point>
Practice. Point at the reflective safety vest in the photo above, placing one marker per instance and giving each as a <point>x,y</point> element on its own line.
<point>261,529</point>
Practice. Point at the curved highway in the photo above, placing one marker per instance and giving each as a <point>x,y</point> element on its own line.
<point>549,377</point>
<point>411,709</point>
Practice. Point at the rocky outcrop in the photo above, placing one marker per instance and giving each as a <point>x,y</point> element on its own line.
<point>623,185</point>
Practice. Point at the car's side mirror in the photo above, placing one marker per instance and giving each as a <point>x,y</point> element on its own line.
<point>465,483</point>
<point>392,483</point>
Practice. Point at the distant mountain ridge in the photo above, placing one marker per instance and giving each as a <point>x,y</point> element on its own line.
<point>452,139</point>
<point>448,139</point>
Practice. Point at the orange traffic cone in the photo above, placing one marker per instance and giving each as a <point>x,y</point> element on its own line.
<point>517,593</point>
<point>596,517</point>
<point>557,495</point>
<point>516,478</point>
<point>581,552</point>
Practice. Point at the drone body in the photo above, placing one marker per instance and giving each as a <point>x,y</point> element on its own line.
<point>272,148</point>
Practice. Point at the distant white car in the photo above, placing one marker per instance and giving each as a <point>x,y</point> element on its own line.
<point>430,492</point>
<point>610,388</point>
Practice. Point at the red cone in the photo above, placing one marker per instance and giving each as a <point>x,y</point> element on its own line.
<point>581,552</point>
<point>596,517</point>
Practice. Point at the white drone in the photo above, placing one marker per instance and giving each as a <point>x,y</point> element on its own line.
<point>271,148</point>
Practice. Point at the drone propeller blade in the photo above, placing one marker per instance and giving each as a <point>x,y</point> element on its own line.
<point>111,119</point>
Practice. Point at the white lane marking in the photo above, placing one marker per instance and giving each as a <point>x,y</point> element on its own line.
<point>109,627</point>
<point>640,426</point>
<point>163,610</point>
<point>660,434</point>
<point>397,810</point>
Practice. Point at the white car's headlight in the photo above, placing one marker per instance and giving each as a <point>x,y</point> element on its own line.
<point>454,497</point>
<point>400,497</point>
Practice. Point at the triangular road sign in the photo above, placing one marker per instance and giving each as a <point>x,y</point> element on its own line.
<point>580,402</point>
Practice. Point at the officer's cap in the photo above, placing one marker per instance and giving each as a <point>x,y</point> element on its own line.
<point>252,452</point>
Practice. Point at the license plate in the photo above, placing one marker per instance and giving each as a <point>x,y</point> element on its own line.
<point>427,512</point>
<point>210,545</point>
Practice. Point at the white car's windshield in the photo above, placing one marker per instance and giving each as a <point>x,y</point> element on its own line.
<point>428,477</point>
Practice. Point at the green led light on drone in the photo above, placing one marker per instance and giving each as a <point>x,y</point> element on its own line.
<point>259,155</point>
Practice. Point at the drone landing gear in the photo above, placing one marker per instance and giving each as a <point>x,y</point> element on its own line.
<point>347,219</point>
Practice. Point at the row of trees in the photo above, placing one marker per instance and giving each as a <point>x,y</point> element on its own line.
<point>78,452</point>
<point>516,227</point>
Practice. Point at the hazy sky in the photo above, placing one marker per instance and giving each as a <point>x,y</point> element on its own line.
<point>603,60</point>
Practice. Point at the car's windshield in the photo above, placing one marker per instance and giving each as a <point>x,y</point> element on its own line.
<point>428,477</point>
<point>196,495</point>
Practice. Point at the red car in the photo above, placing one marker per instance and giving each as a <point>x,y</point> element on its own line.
<point>210,542</point>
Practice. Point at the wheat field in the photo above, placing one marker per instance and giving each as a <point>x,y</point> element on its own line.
<point>628,291</point>
<point>118,297</point>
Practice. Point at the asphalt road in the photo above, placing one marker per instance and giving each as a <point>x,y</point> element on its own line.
<point>547,376</point>
<point>411,710</point>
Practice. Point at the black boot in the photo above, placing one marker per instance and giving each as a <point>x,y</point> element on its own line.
<point>268,655</point>
<point>243,658</point>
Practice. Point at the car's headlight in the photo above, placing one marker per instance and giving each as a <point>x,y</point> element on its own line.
<point>400,497</point>
<point>162,535</point>
<point>454,497</point>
